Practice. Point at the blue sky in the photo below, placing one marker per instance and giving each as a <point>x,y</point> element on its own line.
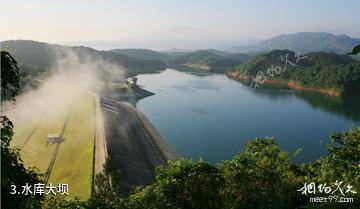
<point>240,20</point>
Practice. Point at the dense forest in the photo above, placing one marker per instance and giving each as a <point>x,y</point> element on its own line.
<point>316,70</point>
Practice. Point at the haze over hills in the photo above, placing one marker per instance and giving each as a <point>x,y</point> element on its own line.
<point>175,37</point>
<point>36,56</point>
<point>303,42</point>
<point>39,57</point>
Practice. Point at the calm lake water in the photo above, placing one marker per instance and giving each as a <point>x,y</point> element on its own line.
<point>212,117</point>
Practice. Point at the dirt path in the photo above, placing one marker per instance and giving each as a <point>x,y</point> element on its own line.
<point>58,143</point>
<point>29,136</point>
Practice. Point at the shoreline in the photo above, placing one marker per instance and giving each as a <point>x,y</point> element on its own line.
<point>292,84</point>
<point>134,145</point>
<point>128,99</point>
<point>164,149</point>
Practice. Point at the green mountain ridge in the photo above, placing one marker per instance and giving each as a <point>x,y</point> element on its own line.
<point>320,71</point>
<point>141,54</point>
<point>204,60</point>
<point>34,57</point>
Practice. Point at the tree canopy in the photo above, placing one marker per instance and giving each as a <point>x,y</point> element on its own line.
<point>13,171</point>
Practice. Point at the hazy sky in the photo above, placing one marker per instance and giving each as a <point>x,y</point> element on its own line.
<point>229,20</point>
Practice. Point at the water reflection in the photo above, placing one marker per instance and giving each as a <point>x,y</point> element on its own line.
<point>345,106</point>
<point>213,116</point>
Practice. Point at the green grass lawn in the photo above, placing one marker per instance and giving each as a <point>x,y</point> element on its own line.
<point>74,161</point>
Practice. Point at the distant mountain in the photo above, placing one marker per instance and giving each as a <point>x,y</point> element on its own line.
<point>203,60</point>
<point>142,54</point>
<point>174,53</point>
<point>193,57</point>
<point>241,57</point>
<point>303,42</point>
<point>218,52</point>
<point>34,56</point>
<point>179,50</point>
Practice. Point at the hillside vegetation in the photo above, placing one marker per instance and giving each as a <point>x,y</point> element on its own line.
<point>325,72</point>
<point>259,176</point>
<point>38,57</point>
<point>204,60</point>
<point>141,54</point>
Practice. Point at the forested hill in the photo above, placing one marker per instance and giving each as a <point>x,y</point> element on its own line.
<point>37,57</point>
<point>325,72</point>
<point>205,60</point>
<point>142,54</point>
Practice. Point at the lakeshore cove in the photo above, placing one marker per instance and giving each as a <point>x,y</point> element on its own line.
<point>209,116</point>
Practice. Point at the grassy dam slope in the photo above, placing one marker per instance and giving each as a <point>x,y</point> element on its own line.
<point>69,161</point>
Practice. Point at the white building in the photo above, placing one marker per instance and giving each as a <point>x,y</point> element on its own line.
<point>53,138</point>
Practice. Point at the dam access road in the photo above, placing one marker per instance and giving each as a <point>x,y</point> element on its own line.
<point>134,145</point>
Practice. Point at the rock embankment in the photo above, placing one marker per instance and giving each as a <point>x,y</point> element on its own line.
<point>134,146</point>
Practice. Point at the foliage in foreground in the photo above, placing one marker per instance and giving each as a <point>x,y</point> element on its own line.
<point>260,176</point>
<point>356,50</point>
<point>13,171</point>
